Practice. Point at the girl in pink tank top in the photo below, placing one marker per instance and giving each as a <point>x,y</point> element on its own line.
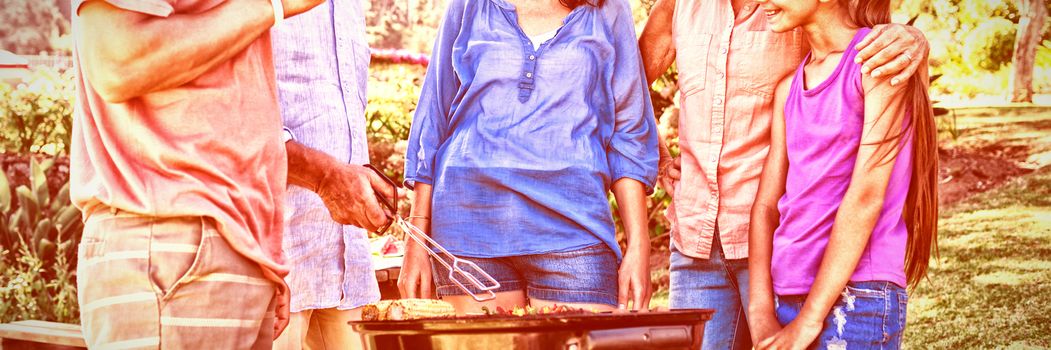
<point>846,212</point>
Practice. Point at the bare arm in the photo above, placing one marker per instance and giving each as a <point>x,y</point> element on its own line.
<point>348,190</point>
<point>857,214</point>
<point>658,52</point>
<point>129,54</point>
<point>421,207</point>
<point>655,43</point>
<point>415,280</point>
<point>764,220</point>
<point>634,274</point>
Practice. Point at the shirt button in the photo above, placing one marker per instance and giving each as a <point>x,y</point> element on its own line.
<point>529,75</point>
<point>532,57</point>
<point>718,101</point>
<point>723,51</point>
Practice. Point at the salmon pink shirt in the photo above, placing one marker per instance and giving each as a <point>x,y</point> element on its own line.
<point>210,147</point>
<point>728,66</point>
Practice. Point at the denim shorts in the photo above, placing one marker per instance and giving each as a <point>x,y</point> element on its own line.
<point>868,315</point>
<point>587,275</point>
<point>714,283</point>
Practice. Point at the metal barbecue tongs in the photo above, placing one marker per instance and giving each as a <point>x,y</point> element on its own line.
<point>461,272</point>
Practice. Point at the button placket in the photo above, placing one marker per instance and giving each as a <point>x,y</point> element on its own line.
<point>345,61</point>
<point>526,83</point>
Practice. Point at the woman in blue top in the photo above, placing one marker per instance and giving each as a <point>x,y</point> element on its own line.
<point>530,113</point>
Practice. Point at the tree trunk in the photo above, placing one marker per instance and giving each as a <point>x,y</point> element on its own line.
<point>1033,14</point>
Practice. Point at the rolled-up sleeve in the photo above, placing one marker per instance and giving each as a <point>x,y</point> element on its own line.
<point>633,151</point>
<point>430,123</point>
<point>159,8</point>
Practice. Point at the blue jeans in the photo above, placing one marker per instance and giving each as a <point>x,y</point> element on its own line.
<point>587,275</point>
<point>715,283</point>
<point>869,315</point>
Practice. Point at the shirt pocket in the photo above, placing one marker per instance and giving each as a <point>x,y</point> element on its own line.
<point>766,57</point>
<point>691,59</point>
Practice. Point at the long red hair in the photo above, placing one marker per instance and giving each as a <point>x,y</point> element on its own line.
<point>921,205</point>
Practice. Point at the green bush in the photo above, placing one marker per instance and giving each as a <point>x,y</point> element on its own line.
<point>33,26</point>
<point>393,92</point>
<point>990,45</point>
<point>39,234</point>
<point>972,44</point>
<point>36,116</point>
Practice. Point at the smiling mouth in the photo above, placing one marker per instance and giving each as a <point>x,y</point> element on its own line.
<point>772,13</point>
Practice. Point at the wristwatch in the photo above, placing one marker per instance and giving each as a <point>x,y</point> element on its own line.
<point>286,135</point>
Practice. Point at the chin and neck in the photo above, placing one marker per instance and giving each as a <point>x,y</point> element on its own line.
<point>829,28</point>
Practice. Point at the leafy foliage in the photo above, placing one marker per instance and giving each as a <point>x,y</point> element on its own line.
<point>409,25</point>
<point>34,26</point>
<point>393,91</point>
<point>39,234</point>
<point>36,116</point>
<point>991,45</point>
<point>972,43</point>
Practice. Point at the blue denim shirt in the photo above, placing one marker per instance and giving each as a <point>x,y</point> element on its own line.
<point>521,145</point>
<point>321,60</point>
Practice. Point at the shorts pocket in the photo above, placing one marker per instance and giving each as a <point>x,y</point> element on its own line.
<point>90,249</point>
<point>93,239</point>
<point>861,292</point>
<point>863,318</point>
<point>691,60</point>
<point>176,249</point>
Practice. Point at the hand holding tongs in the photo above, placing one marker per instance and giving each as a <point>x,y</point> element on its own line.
<point>459,269</point>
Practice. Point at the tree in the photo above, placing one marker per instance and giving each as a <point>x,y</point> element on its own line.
<point>1033,16</point>
<point>29,27</point>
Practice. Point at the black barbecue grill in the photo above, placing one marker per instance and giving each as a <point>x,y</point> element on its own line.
<point>671,330</point>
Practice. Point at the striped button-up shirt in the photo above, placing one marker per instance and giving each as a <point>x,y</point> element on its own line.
<point>728,67</point>
<point>322,60</point>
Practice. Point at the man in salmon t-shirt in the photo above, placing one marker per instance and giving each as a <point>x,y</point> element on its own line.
<point>178,165</point>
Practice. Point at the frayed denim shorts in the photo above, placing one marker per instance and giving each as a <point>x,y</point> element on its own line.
<point>868,315</point>
<point>587,275</point>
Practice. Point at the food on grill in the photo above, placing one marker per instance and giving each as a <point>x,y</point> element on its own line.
<point>532,311</point>
<point>375,312</point>
<point>415,309</point>
<point>407,309</point>
<point>412,309</point>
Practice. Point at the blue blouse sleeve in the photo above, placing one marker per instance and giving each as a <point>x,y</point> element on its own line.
<point>430,123</point>
<point>633,151</point>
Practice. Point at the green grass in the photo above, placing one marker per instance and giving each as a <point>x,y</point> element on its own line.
<point>991,288</point>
